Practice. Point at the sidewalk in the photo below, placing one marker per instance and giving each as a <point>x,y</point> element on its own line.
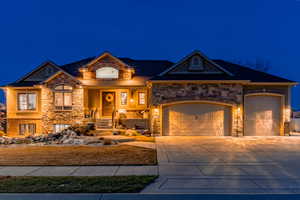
<point>78,170</point>
<point>143,197</point>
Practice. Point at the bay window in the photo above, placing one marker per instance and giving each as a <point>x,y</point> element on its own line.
<point>26,101</point>
<point>63,97</point>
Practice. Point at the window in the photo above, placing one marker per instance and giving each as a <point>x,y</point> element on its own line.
<point>26,101</point>
<point>196,63</point>
<point>107,73</point>
<point>25,129</point>
<point>142,98</point>
<point>60,127</point>
<point>63,97</point>
<point>124,98</point>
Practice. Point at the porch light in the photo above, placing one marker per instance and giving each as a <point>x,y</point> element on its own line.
<point>122,111</point>
<point>131,100</point>
<point>287,113</point>
<point>156,111</point>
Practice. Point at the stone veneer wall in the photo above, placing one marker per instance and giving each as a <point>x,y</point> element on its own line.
<point>50,116</point>
<point>223,93</point>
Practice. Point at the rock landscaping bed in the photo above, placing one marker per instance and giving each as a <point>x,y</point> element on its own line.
<point>80,135</point>
<point>67,137</point>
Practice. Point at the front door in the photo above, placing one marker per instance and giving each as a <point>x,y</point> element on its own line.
<point>108,103</point>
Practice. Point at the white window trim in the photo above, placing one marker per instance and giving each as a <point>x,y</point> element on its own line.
<point>103,73</point>
<point>139,99</point>
<point>60,127</point>
<point>121,103</point>
<point>27,94</point>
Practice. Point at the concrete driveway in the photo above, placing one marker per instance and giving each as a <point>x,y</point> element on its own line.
<point>194,164</point>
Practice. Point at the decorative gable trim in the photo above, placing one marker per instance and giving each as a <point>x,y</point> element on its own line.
<point>102,56</point>
<point>59,73</point>
<point>196,52</point>
<point>44,64</point>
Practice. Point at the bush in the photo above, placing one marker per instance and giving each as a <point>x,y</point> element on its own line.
<point>131,132</point>
<point>81,130</point>
<point>107,141</point>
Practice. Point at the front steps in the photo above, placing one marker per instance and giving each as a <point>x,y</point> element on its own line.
<point>104,124</point>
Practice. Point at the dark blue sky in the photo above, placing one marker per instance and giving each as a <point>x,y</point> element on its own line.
<point>64,31</point>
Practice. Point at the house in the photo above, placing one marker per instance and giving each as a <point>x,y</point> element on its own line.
<point>195,96</point>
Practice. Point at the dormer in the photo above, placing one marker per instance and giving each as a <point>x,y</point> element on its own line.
<point>193,64</point>
<point>107,67</point>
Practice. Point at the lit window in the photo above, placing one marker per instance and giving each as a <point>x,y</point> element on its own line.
<point>60,127</point>
<point>107,73</point>
<point>124,98</point>
<point>142,98</point>
<point>27,101</point>
<point>25,129</point>
<point>63,97</point>
<point>196,63</point>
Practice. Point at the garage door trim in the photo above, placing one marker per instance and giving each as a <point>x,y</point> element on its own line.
<point>191,102</point>
<point>267,94</point>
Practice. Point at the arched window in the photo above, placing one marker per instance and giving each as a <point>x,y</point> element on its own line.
<point>63,97</point>
<point>196,63</point>
<point>107,73</point>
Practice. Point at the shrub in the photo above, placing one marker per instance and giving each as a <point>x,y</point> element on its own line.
<point>107,141</point>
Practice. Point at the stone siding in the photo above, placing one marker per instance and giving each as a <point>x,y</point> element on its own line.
<point>222,93</point>
<point>225,93</point>
<point>50,116</point>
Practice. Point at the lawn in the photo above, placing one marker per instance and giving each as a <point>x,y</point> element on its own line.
<point>29,184</point>
<point>77,155</point>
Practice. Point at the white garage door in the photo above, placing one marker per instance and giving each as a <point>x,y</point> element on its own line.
<point>196,119</point>
<point>262,115</point>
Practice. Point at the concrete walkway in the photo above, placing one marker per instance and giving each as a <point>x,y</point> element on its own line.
<point>220,165</point>
<point>143,197</point>
<point>79,171</point>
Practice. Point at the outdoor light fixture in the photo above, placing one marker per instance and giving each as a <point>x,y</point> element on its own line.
<point>131,100</point>
<point>156,111</point>
<point>122,111</point>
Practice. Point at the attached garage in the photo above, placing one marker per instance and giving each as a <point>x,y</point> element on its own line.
<point>196,119</point>
<point>262,115</point>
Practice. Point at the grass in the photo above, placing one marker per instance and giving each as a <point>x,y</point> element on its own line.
<point>30,184</point>
<point>77,155</point>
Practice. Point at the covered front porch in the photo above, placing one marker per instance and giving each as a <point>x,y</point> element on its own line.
<point>123,108</point>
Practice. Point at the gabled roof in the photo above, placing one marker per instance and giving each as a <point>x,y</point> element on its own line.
<point>58,73</point>
<point>238,73</point>
<point>105,54</point>
<point>158,70</point>
<point>49,62</point>
<point>142,67</point>
<point>195,52</point>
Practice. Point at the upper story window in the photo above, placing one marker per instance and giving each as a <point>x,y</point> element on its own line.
<point>196,63</point>
<point>63,97</point>
<point>26,101</point>
<point>107,73</point>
